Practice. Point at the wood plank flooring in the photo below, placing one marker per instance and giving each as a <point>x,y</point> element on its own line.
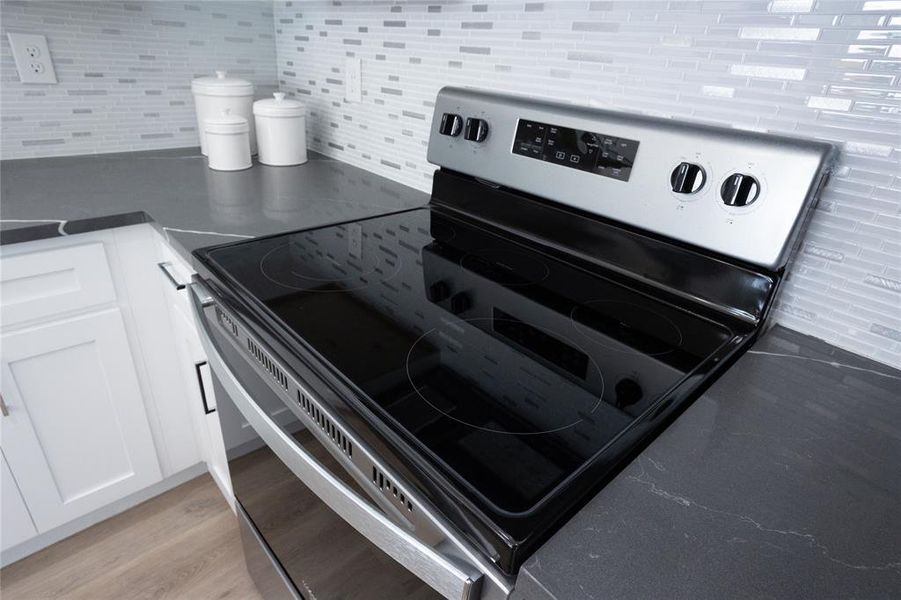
<point>183,544</point>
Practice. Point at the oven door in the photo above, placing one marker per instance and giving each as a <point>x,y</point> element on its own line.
<point>309,528</point>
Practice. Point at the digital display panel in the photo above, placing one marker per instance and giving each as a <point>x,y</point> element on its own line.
<point>596,153</point>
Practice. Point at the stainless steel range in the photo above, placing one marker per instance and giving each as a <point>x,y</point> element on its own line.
<point>426,396</point>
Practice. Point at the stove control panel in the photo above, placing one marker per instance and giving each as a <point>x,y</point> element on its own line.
<point>584,150</point>
<point>740,194</point>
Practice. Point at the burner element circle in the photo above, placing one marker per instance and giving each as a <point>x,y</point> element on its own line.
<point>507,266</point>
<point>626,327</point>
<point>298,267</point>
<point>467,410</point>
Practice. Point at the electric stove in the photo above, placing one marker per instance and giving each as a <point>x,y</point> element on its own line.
<point>578,278</point>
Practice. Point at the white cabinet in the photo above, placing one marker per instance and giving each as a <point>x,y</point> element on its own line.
<point>99,416</point>
<point>16,525</point>
<point>77,435</point>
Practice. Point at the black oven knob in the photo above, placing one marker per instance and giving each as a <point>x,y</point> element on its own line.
<point>739,190</point>
<point>460,303</point>
<point>451,124</point>
<point>687,178</point>
<point>438,292</point>
<point>628,392</point>
<point>476,130</point>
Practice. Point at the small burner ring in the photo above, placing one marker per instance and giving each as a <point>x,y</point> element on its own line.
<point>350,276</point>
<point>576,418</point>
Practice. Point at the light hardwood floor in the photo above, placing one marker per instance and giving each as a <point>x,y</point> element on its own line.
<point>183,545</point>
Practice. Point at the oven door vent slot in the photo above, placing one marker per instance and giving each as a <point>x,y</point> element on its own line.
<point>325,424</point>
<point>227,322</point>
<point>389,489</point>
<point>263,358</point>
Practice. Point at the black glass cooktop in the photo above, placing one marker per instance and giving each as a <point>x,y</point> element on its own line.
<point>507,367</point>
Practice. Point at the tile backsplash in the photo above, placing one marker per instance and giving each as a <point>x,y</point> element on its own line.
<point>124,71</point>
<point>828,69</point>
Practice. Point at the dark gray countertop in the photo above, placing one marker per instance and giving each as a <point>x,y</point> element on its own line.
<point>193,205</point>
<point>783,480</point>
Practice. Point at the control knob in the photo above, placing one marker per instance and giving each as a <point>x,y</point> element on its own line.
<point>688,178</point>
<point>438,291</point>
<point>460,303</point>
<point>476,130</point>
<point>628,392</point>
<point>451,124</point>
<point>739,189</point>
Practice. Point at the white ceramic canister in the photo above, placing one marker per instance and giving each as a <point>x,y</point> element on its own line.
<point>212,95</point>
<point>227,142</point>
<point>281,130</point>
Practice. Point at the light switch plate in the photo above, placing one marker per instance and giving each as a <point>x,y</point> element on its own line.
<point>32,56</point>
<point>353,80</point>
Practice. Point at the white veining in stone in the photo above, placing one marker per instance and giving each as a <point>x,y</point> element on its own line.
<point>644,479</point>
<point>198,232</point>
<point>825,362</point>
<point>61,228</point>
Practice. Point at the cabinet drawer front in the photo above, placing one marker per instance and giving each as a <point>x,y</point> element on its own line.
<point>43,284</point>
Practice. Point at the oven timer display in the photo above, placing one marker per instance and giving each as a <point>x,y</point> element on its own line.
<point>596,153</point>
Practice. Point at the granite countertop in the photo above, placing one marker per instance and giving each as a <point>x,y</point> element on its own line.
<point>782,481</point>
<point>191,204</point>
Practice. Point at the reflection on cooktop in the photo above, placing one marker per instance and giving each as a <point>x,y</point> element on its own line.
<point>307,262</point>
<point>626,327</point>
<point>507,266</point>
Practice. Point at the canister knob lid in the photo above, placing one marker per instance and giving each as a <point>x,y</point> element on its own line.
<point>279,106</point>
<point>222,85</point>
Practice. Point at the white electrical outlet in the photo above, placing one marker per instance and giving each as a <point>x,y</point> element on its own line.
<point>32,58</point>
<point>353,80</point>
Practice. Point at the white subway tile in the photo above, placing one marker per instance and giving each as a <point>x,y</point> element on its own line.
<point>827,103</point>
<point>771,72</point>
<point>780,33</point>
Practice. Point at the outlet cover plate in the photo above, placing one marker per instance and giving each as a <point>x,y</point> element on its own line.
<point>32,56</point>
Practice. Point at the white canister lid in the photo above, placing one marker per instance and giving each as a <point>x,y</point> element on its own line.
<point>221,85</point>
<point>279,106</point>
<point>227,124</point>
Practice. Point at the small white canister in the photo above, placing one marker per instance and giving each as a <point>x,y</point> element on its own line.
<point>212,95</point>
<point>228,142</point>
<point>281,131</point>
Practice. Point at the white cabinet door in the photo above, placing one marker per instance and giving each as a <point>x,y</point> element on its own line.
<point>15,522</point>
<point>77,435</point>
<point>198,381</point>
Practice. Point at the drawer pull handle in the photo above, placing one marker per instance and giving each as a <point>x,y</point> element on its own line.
<point>197,370</point>
<point>166,268</point>
<point>4,410</point>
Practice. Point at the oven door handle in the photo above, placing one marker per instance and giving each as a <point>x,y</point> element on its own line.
<point>447,575</point>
